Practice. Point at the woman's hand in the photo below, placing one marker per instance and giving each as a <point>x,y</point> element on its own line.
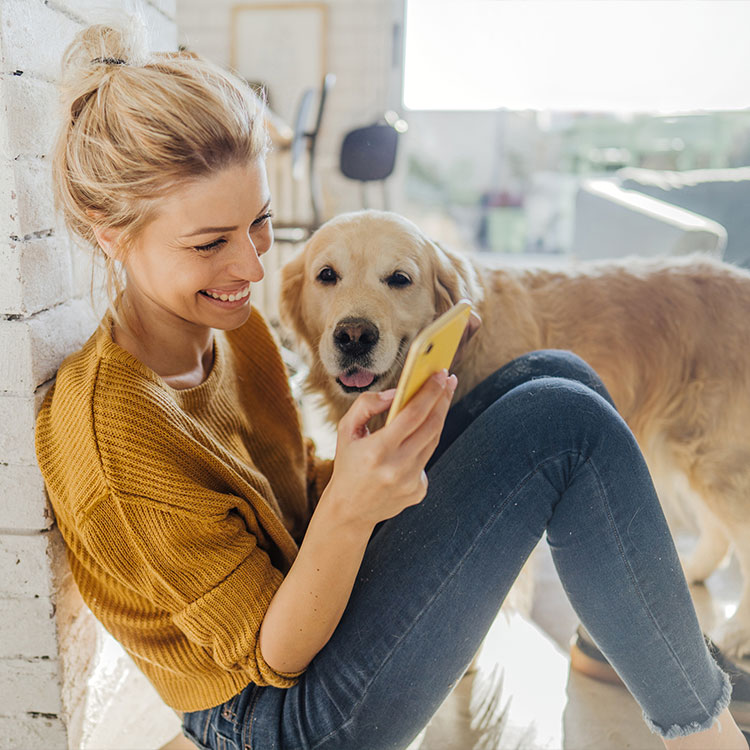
<point>375,476</point>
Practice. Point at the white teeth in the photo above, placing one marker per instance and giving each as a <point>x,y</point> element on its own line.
<point>230,297</point>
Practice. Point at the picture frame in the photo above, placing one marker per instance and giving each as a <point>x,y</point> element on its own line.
<point>281,46</point>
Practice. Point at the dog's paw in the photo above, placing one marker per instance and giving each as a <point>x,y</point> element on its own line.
<point>733,637</point>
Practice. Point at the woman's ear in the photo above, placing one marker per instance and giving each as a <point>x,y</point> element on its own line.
<point>108,238</point>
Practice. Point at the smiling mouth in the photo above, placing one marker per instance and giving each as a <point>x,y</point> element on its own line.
<point>356,380</point>
<point>235,296</point>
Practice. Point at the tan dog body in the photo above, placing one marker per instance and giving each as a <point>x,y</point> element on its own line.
<point>669,338</point>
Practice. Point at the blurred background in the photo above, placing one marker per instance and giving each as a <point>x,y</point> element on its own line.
<point>492,116</point>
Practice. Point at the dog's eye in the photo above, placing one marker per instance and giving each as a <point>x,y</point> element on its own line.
<point>398,279</point>
<point>327,275</point>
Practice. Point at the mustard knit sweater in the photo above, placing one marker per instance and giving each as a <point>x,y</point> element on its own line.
<point>181,509</point>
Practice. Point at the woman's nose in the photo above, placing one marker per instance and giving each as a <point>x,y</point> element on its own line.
<point>247,261</point>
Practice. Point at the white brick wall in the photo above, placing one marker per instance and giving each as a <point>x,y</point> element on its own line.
<point>41,343</point>
<point>47,637</point>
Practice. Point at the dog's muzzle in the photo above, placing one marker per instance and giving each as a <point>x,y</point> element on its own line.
<point>355,339</point>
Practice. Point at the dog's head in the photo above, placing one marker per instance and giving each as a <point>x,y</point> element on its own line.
<point>359,292</point>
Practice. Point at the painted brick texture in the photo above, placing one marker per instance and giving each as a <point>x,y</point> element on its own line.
<point>47,636</point>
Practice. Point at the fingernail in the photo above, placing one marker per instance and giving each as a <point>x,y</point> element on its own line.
<point>442,377</point>
<point>387,395</point>
<point>452,383</point>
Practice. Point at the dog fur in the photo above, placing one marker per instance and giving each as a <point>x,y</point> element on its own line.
<point>669,338</point>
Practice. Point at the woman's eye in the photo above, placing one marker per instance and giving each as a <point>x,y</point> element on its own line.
<point>398,279</point>
<point>210,246</point>
<point>327,275</point>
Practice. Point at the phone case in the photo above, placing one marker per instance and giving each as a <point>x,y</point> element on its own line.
<point>431,351</point>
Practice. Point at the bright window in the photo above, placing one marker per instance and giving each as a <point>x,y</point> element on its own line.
<point>577,55</point>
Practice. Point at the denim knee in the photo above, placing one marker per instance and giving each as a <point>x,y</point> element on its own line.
<point>559,363</point>
<point>562,412</point>
<point>535,365</point>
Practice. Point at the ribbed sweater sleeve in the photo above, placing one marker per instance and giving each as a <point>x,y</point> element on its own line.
<point>181,510</point>
<point>208,573</point>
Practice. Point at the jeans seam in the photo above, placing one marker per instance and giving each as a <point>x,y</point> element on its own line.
<point>229,709</point>
<point>194,738</point>
<point>249,744</point>
<point>529,476</point>
<point>634,580</point>
<point>206,724</point>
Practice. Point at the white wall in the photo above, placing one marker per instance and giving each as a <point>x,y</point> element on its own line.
<point>360,51</point>
<point>47,637</point>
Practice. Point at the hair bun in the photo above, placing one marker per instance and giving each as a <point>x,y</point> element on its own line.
<point>122,40</point>
<point>123,37</point>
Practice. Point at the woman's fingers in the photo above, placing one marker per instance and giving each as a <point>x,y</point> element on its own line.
<point>383,473</point>
<point>421,444</point>
<point>366,406</point>
<point>393,453</point>
<point>412,416</point>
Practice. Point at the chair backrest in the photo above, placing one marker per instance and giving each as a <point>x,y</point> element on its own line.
<point>329,81</point>
<point>369,153</point>
<point>299,137</point>
<point>315,197</point>
<point>303,143</point>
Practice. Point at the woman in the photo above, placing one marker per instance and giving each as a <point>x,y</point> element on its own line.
<point>277,600</point>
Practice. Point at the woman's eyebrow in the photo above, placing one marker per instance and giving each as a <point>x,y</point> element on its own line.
<point>211,230</point>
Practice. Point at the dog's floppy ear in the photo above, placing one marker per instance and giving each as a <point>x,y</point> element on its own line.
<point>455,279</point>
<point>290,296</point>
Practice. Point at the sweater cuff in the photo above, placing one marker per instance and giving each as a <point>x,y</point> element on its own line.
<point>270,675</point>
<point>226,620</point>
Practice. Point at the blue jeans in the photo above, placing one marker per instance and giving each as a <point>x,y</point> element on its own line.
<point>536,447</point>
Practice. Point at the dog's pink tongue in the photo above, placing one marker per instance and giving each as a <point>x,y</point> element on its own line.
<point>357,379</point>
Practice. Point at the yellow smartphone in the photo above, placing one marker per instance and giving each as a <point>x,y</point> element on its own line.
<point>431,351</point>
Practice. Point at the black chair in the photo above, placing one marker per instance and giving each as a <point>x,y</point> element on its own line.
<point>368,154</point>
<point>304,143</point>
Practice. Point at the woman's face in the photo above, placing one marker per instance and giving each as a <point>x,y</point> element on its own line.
<point>196,260</point>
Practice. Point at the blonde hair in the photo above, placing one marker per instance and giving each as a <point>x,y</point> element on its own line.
<point>136,125</point>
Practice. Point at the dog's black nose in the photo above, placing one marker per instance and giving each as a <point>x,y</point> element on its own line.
<point>355,336</point>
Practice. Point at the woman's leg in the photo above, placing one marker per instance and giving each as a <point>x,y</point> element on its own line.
<point>544,363</point>
<point>723,734</point>
<point>549,454</point>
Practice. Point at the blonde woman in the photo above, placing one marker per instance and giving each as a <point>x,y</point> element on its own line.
<point>280,601</point>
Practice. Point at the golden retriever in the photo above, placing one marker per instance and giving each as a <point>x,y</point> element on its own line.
<point>670,338</point>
